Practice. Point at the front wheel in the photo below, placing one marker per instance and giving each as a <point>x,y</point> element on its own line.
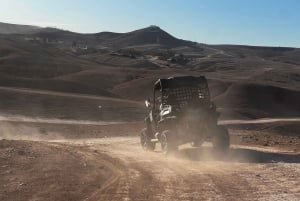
<point>221,139</point>
<point>145,140</point>
<point>167,142</point>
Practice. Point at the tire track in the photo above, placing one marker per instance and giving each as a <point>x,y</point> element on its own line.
<point>152,176</point>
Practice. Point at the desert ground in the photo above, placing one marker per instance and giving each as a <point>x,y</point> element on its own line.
<point>72,108</point>
<point>57,161</point>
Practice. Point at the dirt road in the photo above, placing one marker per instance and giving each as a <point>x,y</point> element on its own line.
<point>245,173</point>
<point>116,168</point>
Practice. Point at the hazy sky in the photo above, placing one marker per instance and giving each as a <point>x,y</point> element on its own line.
<point>252,22</point>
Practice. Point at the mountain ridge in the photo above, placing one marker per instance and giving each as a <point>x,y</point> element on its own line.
<point>143,36</point>
<point>7,28</point>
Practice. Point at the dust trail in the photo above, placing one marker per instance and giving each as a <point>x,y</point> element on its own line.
<point>258,121</point>
<point>67,94</point>
<point>10,131</point>
<point>17,118</point>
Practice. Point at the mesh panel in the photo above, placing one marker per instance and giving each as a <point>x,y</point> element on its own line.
<point>183,95</point>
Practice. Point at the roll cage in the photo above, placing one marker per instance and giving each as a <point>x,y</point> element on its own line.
<point>180,91</point>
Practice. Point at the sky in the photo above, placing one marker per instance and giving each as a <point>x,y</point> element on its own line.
<point>244,22</point>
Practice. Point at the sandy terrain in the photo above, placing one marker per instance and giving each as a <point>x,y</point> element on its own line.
<point>246,173</point>
<point>79,163</point>
<point>45,171</point>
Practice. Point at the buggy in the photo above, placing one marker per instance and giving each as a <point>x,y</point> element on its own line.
<point>182,112</point>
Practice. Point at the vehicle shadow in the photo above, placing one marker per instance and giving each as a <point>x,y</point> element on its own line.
<point>241,155</point>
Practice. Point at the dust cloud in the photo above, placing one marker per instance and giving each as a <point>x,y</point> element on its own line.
<point>11,131</point>
<point>19,118</point>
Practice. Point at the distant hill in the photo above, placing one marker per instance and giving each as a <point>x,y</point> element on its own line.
<point>146,36</point>
<point>149,35</point>
<point>6,28</point>
<point>152,35</point>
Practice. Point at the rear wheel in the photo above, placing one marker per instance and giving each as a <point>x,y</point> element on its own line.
<point>145,140</point>
<point>167,142</point>
<point>221,139</point>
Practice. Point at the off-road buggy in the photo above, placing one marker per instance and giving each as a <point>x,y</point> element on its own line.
<point>182,112</point>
